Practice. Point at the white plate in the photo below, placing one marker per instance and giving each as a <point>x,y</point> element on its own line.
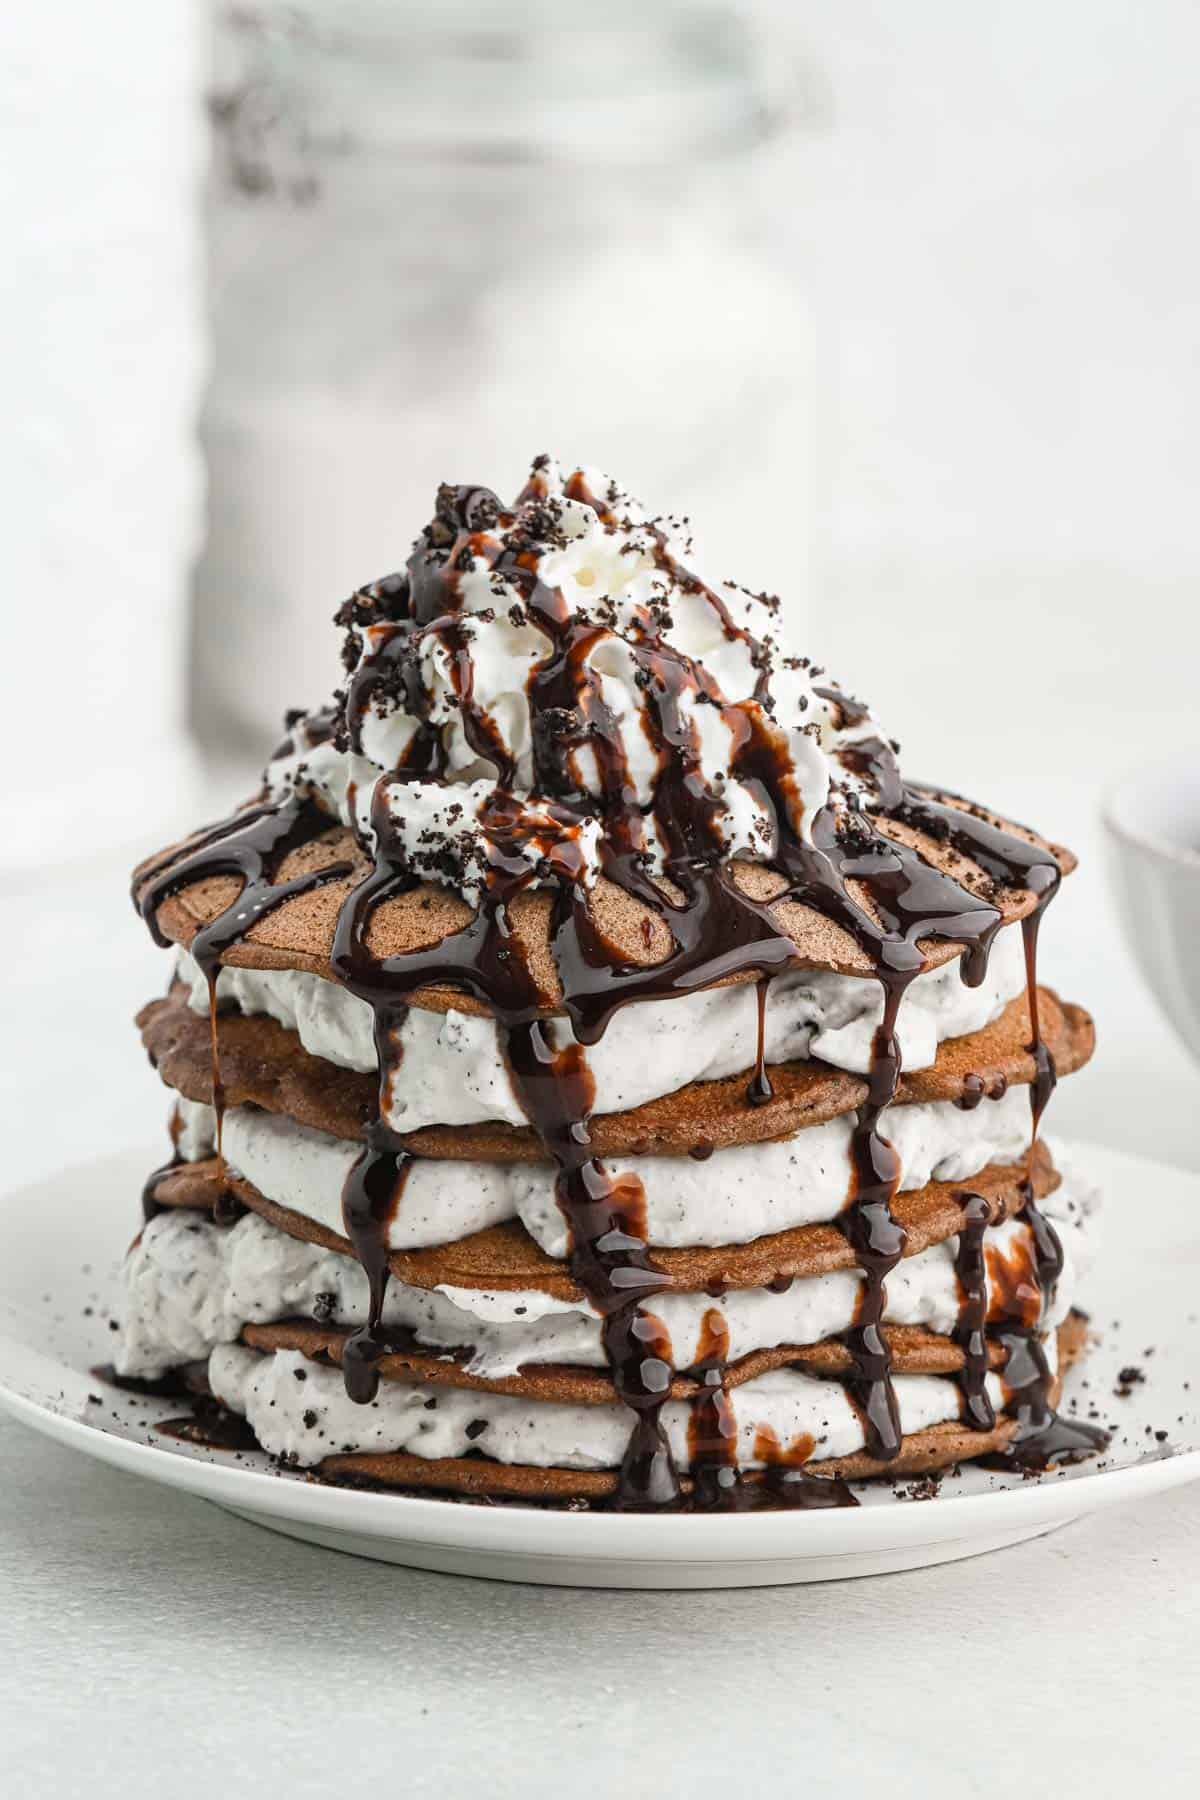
<point>63,1238</point>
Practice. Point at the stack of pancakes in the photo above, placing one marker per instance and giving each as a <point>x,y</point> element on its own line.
<point>599,1075</point>
<point>441,1418</point>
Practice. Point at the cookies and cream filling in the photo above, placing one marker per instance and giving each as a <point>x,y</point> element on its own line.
<point>192,1285</point>
<point>736,1195</point>
<point>451,1070</point>
<point>299,1411</point>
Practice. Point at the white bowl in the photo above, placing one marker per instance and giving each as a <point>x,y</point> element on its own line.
<point>1152,822</point>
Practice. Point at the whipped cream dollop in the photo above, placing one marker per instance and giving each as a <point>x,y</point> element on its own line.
<point>563,646</point>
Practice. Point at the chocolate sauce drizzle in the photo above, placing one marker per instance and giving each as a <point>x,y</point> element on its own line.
<point>877,1240</point>
<point>970,1331</point>
<point>842,863</point>
<point>250,845</point>
<point>370,1197</point>
<point>717,1483</point>
<point>1010,1312</point>
<point>760,1090</point>
<point>1043,1436</point>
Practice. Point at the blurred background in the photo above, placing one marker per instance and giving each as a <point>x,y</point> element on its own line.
<point>898,303</point>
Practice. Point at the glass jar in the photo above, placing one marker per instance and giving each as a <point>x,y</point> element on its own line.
<point>441,246</point>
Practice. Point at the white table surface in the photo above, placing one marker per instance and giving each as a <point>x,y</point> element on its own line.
<point>151,1644</point>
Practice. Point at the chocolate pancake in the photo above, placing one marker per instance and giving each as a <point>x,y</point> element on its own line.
<point>505,1257</point>
<point>937,1447</point>
<point>263,1064</point>
<point>914,1351</point>
<point>298,933</point>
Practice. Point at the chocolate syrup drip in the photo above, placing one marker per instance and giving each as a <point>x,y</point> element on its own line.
<point>970,1330</point>
<point>1045,1077</point>
<point>876,1238</point>
<point>973,1091</point>
<point>569,714</point>
<point>712,1445</point>
<point>878,891</point>
<point>249,844</point>
<point>760,1089</point>
<point>712,1424</point>
<point>718,1484</point>
<point>370,1196</point>
<point>608,1255</point>
<point>787,1483</point>
<point>1043,1436</point>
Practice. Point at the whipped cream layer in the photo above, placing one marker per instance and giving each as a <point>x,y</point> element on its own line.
<point>299,1411</point>
<point>451,1070</point>
<point>733,1196</point>
<point>456,645</point>
<point>192,1285</point>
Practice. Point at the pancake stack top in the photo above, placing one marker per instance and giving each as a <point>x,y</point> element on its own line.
<point>500,922</point>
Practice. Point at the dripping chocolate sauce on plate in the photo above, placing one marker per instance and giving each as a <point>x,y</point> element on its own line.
<point>208,1425</point>
<point>872,886</point>
<point>970,1331</point>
